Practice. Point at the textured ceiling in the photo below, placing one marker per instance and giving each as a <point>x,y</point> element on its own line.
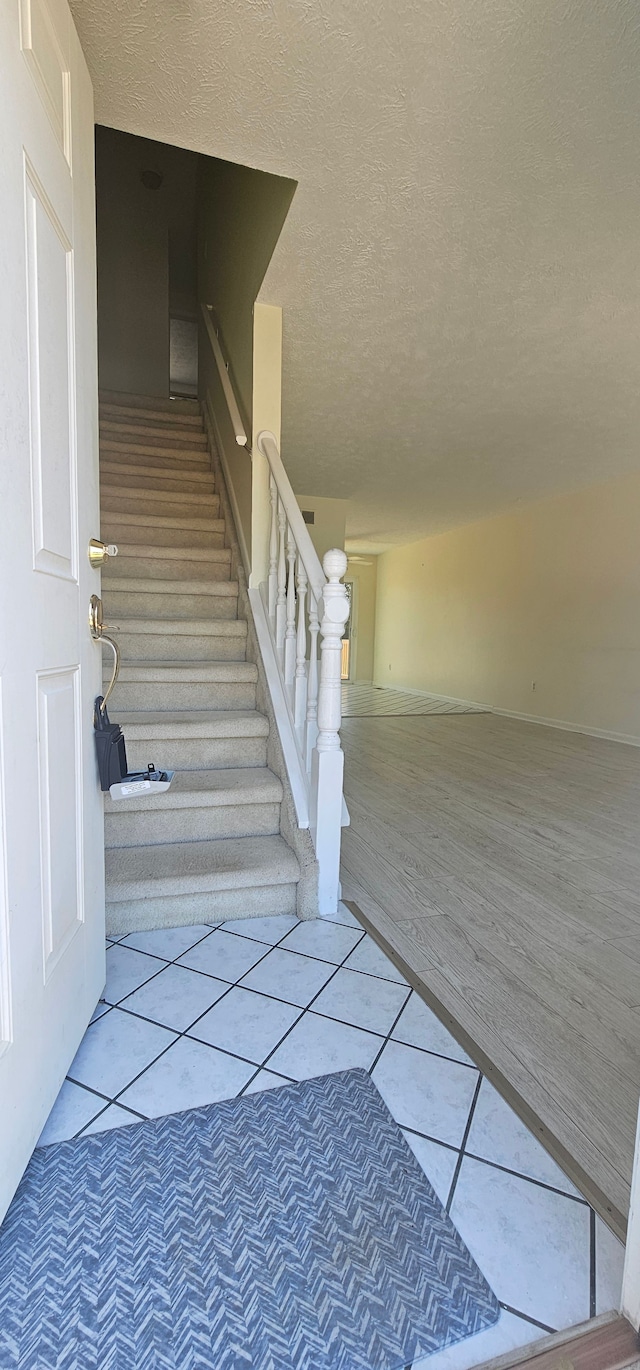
<point>460,269</point>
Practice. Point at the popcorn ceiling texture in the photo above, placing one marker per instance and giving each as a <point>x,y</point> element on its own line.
<point>460,270</point>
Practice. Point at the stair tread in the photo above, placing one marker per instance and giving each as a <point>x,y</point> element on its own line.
<point>190,867</point>
<point>142,493</point>
<point>125,428</point>
<point>168,521</point>
<point>207,789</point>
<point>160,552</point>
<point>140,723</point>
<point>184,627</point>
<point>136,450</point>
<point>181,672</point>
<point>138,584</point>
<point>122,456</point>
<point>158,404</point>
<point>151,473</point>
<point>168,422</point>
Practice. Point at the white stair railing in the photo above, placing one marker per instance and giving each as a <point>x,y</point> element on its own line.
<point>306,601</point>
<point>299,611</point>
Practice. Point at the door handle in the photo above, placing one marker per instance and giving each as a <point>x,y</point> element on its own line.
<point>99,551</point>
<point>96,628</point>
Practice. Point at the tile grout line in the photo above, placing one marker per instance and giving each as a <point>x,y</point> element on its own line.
<point>386,1039</point>
<point>306,1009</point>
<point>465,1136</point>
<point>527,1317</point>
<point>121,1004</point>
<point>179,1035</point>
<point>531,1179</point>
<point>309,1008</point>
<point>495,1165</point>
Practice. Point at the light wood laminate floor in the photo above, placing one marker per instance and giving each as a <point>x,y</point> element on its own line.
<point>498,862</point>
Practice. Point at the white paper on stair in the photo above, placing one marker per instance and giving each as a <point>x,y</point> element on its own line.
<point>126,789</point>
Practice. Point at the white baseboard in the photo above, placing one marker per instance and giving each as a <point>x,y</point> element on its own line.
<point>608,734</point>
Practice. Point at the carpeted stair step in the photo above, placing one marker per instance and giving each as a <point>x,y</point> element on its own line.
<point>123,477</point>
<point>182,640</point>
<point>210,847</point>
<point>189,599</point>
<point>123,456</point>
<point>114,432</point>
<point>184,685</point>
<point>189,882</point>
<point>194,740</point>
<point>175,563</point>
<point>139,500</point>
<point>139,452</point>
<point>151,531</point>
<point>200,806</point>
<point>123,401</point>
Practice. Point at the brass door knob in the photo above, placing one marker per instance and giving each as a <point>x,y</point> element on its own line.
<point>99,551</point>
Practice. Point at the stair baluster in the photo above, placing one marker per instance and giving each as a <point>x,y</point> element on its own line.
<point>311,731</point>
<point>300,693</point>
<point>273,552</point>
<point>290,635</point>
<point>281,602</point>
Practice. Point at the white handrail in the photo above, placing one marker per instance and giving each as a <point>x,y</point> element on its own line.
<point>300,610</point>
<point>268,446</point>
<point>306,610</point>
<point>225,381</point>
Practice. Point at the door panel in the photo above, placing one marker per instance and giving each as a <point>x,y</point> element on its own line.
<point>51,371</point>
<point>51,825</point>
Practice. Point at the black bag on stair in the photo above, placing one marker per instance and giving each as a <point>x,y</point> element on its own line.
<point>110,748</point>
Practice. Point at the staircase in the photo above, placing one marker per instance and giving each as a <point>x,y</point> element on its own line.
<point>210,847</point>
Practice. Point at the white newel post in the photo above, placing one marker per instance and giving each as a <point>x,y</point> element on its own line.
<point>327,766</point>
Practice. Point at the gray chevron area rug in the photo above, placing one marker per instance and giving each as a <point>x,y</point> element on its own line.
<point>287,1230</point>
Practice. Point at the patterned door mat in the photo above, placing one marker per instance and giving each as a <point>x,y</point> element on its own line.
<point>286,1230</point>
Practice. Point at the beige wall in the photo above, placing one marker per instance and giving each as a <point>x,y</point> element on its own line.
<point>364,577</point>
<point>328,527</point>
<point>241,213</point>
<point>146,257</point>
<point>550,594</point>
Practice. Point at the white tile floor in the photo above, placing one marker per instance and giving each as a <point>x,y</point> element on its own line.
<point>193,1015</point>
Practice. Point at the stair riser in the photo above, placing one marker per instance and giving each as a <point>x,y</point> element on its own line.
<point>180,647</point>
<point>195,753</point>
<point>169,568</point>
<point>162,503</point>
<point>191,825</point>
<point>146,604</point>
<point>153,695</point>
<point>140,450</point>
<point>138,915</point>
<point>142,536</point>
<point>112,432</point>
<point>122,456</point>
<point>179,485</point>
<point>157,406</point>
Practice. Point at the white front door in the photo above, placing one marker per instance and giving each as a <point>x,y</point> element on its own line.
<point>51,827</point>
